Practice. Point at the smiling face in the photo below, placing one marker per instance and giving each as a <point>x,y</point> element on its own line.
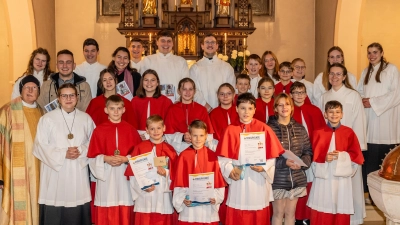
<point>156,130</point>
<point>90,53</point>
<point>269,62</point>
<point>30,92</point>
<point>121,60</point>
<point>39,62</point>
<point>68,99</point>
<point>299,70</point>
<point>299,96</point>
<point>246,112</point>
<point>266,91</point>
<point>253,66</point>
<point>199,137</point>
<point>242,85</point>
<point>65,66</point>
<point>209,46</point>
<point>334,116</point>
<point>283,108</point>
<point>374,55</point>
<point>225,96</point>
<point>114,111</point>
<point>336,77</point>
<point>108,82</point>
<point>150,84</point>
<point>165,45</point>
<point>285,73</point>
<point>186,91</point>
<point>335,57</point>
<point>136,49</point>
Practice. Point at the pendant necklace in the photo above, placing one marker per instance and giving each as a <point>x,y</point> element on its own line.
<point>70,135</point>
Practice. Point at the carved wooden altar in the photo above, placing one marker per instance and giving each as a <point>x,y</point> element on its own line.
<point>229,20</point>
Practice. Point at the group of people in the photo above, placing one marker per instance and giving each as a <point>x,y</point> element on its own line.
<point>271,145</point>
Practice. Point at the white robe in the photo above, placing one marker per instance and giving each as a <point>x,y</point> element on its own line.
<point>92,74</point>
<point>319,89</point>
<point>112,188</point>
<point>170,68</point>
<point>15,93</point>
<point>383,116</point>
<point>309,88</point>
<point>353,117</point>
<point>201,213</point>
<point>254,192</point>
<point>253,85</point>
<point>157,201</point>
<point>208,76</point>
<point>63,182</point>
<point>329,193</point>
<point>137,65</point>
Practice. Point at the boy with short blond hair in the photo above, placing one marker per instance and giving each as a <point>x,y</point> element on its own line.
<point>242,85</point>
<point>110,147</point>
<point>253,66</point>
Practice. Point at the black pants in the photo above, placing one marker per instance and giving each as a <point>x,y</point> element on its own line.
<point>59,215</point>
<point>373,159</point>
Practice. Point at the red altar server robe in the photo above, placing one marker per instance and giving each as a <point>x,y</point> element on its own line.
<point>221,118</point>
<point>178,119</point>
<point>192,161</point>
<point>148,106</point>
<point>96,110</point>
<point>248,198</point>
<point>113,197</point>
<point>331,199</point>
<point>264,110</point>
<point>312,119</point>
<point>154,208</point>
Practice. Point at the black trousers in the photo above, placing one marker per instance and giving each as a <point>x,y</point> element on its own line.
<point>373,158</point>
<point>59,215</point>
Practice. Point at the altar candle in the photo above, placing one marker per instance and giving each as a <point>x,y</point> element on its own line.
<point>175,2</point>
<point>150,37</point>
<point>226,38</point>
<point>244,41</point>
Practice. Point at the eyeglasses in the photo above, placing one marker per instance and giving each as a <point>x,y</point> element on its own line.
<point>225,94</point>
<point>299,93</point>
<point>300,67</point>
<point>285,71</point>
<point>66,96</point>
<point>335,74</point>
<point>210,42</point>
<point>34,88</point>
<point>69,62</point>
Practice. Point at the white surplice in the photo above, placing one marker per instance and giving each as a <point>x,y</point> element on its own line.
<point>330,192</point>
<point>253,85</point>
<point>170,68</point>
<point>201,213</point>
<point>209,74</point>
<point>353,117</point>
<point>254,191</point>
<point>137,65</point>
<point>63,182</point>
<point>309,89</point>
<point>319,89</point>
<point>112,188</point>
<point>92,74</point>
<point>15,93</point>
<point>384,97</point>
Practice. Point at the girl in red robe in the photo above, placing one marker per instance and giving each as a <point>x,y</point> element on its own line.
<point>225,113</point>
<point>265,100</point>
<point>148,101</point>
<point>107,83</point>
<point>153,206</point>
<point>181,114</point>
<point>197,159</point>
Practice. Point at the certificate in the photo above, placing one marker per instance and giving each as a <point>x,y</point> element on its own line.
<point>252,149</point>
<point>201,187</point>
<point>144,170</point>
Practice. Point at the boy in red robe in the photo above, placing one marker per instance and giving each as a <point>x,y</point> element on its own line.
<point>198,159</point>
<point>110,146</point>
<point>337,155</point>
<point>311,118</point>
<point>250,190</point>
<point>153,206</point>
<point>242,85</point>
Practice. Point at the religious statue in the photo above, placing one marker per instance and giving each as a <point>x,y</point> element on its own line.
<point>150,7</point>
<point>223,7</point>
<point>186,2</point>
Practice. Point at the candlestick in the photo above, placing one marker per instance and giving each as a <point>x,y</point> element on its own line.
<point>244,41</point>
<point>150,37</point>
<point>225,36</point>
